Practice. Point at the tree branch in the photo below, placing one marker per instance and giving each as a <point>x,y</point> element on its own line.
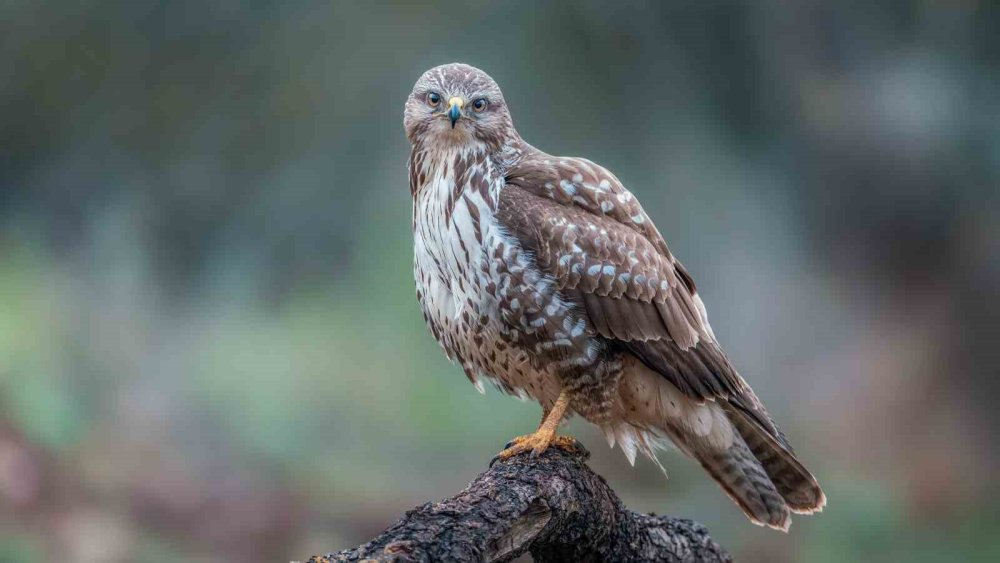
<point>553,506</point>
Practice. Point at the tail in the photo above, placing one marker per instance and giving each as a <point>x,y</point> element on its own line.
<point>739,446</point>
<point>742,477</point>
<point>790,478</point>
<point>760,472</point>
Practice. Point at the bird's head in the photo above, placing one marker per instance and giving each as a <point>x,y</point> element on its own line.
<point>456,104</point>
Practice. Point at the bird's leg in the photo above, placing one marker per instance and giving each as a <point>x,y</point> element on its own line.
<point>545,435</point>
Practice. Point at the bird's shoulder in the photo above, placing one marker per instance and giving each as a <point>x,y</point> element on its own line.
<point>594,240</point>
<point>582,184</point>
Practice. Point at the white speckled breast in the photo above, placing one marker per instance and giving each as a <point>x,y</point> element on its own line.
<point>457,248</point>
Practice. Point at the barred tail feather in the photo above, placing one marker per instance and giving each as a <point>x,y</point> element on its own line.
<point>743,478</point>
<point>797,486</point>
<point>740,447</point>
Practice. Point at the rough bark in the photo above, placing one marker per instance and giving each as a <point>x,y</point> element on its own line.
<point>552,506</point>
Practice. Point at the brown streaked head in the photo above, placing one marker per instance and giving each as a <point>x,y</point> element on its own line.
<point>457,104</point>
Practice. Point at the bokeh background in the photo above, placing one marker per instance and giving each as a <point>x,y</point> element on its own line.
<point>210,348</point>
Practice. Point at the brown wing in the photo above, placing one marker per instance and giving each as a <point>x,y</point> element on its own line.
<point>601,239</point>
<point>592,237</point>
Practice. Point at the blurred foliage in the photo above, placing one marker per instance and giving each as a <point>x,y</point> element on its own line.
<point>209,345</point>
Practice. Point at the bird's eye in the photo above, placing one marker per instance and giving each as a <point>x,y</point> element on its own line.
<point>479,105</point>
<point>433,99</point>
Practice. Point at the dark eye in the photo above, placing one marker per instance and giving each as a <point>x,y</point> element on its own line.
<point>433,99</point>
<point>479,105</point>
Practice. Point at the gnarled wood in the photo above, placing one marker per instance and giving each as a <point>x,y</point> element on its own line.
<point>553,507</point>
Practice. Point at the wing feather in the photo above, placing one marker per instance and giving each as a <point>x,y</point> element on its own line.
<point>592,237</point>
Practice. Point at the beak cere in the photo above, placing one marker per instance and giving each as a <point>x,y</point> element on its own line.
<point>455,111</point>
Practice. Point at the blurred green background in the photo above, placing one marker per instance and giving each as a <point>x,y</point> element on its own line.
<point>210,348</point>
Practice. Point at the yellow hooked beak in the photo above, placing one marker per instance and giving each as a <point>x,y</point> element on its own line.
<point>455,111</point>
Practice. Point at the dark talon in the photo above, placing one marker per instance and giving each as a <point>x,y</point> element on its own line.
<point>508,444</point>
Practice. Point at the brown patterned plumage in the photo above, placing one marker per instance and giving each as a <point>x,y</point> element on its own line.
<point>544,275</point>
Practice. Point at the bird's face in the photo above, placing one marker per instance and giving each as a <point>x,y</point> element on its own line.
<point>457,105</point>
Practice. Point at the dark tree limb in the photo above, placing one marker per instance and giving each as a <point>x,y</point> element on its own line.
<point>554,507</point>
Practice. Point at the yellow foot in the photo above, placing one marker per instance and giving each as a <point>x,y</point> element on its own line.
<point>536,443</point>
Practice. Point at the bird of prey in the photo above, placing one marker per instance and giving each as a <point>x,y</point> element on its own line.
<point>543,275</point>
